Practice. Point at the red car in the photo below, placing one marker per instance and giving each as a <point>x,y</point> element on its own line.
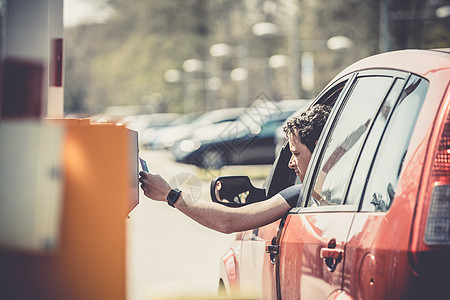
<point>381,226</point>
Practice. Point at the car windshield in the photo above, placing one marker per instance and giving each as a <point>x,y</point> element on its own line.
<point>217,116</point>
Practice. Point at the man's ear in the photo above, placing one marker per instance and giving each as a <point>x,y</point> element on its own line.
<point>316,143</point>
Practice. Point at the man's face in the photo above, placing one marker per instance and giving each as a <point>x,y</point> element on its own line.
<point>300,156</point>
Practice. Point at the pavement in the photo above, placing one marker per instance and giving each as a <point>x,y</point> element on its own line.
<point>170,256</point>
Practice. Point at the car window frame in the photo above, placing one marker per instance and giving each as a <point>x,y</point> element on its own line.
<point>323,98</point>
<point>281,162</point>
<point>320,149</point>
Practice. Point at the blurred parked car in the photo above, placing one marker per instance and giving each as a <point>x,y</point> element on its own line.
<point>169,137</point>
<point>373,220</point>
<point>154,137</point>
<point>248,140</point>
<point>140,123</point>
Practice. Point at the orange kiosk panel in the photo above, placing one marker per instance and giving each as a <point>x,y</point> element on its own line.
<point>90,260</point>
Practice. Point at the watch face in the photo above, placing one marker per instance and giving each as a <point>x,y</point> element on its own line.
<point>173,196</point>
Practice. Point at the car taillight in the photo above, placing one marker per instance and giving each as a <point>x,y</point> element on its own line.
<point>441,165</point>
<point>437,231</point>
<point>438,223</point>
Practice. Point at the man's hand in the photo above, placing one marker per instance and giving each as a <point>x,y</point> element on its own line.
<point>154,186</point>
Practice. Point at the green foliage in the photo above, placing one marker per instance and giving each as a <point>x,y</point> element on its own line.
<point>123,61</point>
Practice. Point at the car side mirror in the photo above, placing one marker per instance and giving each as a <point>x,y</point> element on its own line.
<point>235,191</point>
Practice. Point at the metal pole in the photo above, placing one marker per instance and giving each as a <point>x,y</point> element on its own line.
<point>244,85</point>
<point>384,36</point>
<point>294,55</point>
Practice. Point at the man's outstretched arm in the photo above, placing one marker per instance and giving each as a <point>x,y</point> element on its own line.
<point>213,215</point>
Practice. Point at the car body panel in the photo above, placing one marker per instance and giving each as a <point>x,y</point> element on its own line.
<point>301,245</point>
<point>245,269</point>
<point>258,273</point>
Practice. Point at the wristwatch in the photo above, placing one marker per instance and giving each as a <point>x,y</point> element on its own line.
<point>173,196</point>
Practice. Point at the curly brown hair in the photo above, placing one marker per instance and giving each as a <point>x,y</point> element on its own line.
<point>308,125</point>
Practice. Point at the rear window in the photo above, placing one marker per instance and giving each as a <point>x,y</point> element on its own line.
<point>388,165</point>
<point>359,177</point>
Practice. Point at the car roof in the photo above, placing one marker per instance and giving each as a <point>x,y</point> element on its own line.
<point>420,62</point>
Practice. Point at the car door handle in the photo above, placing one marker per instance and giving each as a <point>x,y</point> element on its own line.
<point>331,253</point>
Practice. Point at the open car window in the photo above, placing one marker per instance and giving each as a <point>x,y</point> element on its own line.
<point>281,175</point>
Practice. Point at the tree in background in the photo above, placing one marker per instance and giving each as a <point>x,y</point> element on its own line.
<point>123,61</point>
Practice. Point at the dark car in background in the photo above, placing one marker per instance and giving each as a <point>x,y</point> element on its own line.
<point>170,137</point>
<point>373,219</point>
<point>248,140</point>
<point>162,137</point>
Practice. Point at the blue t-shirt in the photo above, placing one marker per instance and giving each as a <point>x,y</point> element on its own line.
<point>291,194</point>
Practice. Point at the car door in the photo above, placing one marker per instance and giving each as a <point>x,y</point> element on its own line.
<point>312,245</point>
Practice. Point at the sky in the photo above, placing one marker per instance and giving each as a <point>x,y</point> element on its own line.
<point>77,12</point>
